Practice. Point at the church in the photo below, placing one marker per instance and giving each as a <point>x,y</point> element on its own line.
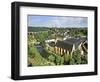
<point>68,46</point>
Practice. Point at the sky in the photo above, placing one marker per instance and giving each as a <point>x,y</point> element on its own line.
<point>56,21</point>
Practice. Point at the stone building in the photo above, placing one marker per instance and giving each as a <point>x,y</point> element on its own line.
<point>68,46</point>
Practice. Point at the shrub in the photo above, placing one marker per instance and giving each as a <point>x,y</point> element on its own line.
<point>31,52</point>
<point>84,59</point>
<point>62,60</point>
<point>57,61</point>
<point>51,58</point>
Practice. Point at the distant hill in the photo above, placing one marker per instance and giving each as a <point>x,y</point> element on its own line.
<point>36,29</point>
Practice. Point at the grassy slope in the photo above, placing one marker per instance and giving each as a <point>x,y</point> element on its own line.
<point>38,60</point>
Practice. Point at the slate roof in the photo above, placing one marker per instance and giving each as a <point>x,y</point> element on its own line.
<point>75,41</point>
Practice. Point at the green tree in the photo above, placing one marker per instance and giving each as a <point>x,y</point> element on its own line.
<point>71,61</point>
<point>84,59</point>
<point>51,58</point>
<point>57,60</point>
<point>77,57</point>
<point>66,58</point>
<point>62,60</point>
<point>31,52</point>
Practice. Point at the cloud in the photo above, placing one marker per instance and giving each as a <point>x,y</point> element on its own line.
<point>58,21</point>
